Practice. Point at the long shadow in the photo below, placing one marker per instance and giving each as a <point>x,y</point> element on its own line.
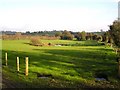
<point>83,63</point>
<point>88,61</point>
<point>74,57</point>
<point>95,53</point>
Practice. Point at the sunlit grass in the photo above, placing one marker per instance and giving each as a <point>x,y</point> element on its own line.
<point>67,64</point>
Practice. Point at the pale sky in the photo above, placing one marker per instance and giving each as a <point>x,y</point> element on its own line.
<point>72,15</point>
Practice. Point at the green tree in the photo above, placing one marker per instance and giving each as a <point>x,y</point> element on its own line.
<point>115,33</point>
<point>99,38</point>
<point>94,37</point>
<point>58,34</point>
<point>66,35</point>
<point>91,34</point>
<point>83,35</point>
<point>106,37</point>
<point>78,36</point>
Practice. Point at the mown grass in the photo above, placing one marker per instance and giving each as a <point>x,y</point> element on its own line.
<point>70,66</point>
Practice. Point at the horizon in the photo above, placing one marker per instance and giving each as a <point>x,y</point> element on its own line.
<point>47,31</point>
<point>49,15</point>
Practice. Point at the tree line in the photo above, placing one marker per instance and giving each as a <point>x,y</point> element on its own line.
<point>64,35</point>
<point>111,36</point>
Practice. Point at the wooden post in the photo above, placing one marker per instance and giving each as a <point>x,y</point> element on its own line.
<point>6,59</point>
<point>116,51</point>
<point>119,68</point>
<point>18,64</point>
<point>26,70</point>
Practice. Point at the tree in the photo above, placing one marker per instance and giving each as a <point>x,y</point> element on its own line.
<point>115,32</point>
<point>27,32</point>
<point>111,41</point>
<point>66,35</point>
<point>99,38</point>
<point>58,34</point>
<point>78,36</point>
<point>83,35</point>
<point>107,37</point>
<point>91,34</point>
<point>94,37</point>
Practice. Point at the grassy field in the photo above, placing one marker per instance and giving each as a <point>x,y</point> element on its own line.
<point>62,66</point>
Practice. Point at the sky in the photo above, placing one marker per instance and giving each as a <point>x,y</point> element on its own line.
<point>71,15</point>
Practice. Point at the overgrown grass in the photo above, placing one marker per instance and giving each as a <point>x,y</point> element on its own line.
<point>69,66</point>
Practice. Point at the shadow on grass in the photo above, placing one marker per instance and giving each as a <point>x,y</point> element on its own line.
<point>71,65</point>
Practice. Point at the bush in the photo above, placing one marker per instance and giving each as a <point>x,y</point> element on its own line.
<point>66,35</point>
<point>35,41</point>
<point>83,35</point>
<point>115,33</point>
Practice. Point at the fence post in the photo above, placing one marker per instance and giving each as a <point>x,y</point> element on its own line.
<point>116,51</point>
<point>18,64</point>
<point>26,70</point>
<point>6,59</point>
<point>119,68</point>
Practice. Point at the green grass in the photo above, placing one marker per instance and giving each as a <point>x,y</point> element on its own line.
<point>70,66</point>
<point>73,42</point>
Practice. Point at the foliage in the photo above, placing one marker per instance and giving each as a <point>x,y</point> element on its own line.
<point>78,36</point>
<point>18,35</point>
<point>43,33</point>
<point>58,34</point>
<point>106,37</point>
<point>66,35</point>
<point>89,36</point>
<point>83,35</point>
<point>115,32</point>
<point>99,38</point>
<point>35,41</point>
<point>94,37</point>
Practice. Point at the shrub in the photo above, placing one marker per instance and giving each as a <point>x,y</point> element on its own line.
<point>58,34</point>
<point>66,35</point>
<point>18,35</point>
<point>83,35</point>
<point>115,32</point>
<point>35,41</point>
